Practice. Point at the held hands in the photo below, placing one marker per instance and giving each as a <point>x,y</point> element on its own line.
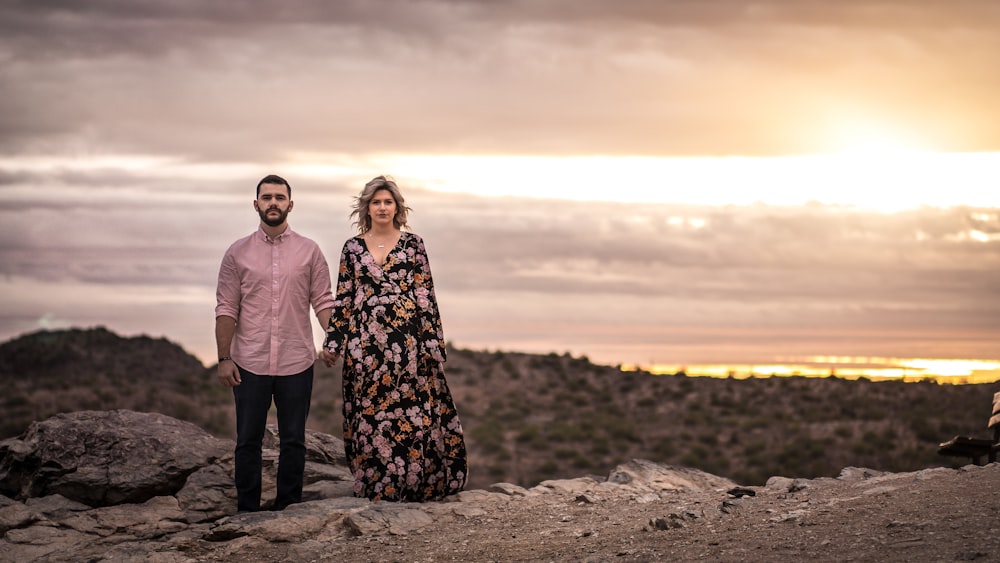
<point>329,358</point>
<point>228,373</point>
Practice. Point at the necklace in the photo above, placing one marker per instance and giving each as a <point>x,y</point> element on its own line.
<point>372,238</point>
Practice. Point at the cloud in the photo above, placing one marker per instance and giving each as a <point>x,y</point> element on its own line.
<point>96,229</point>
<point>133,133</point>
<point>619,282</point>
<point>258,81</point>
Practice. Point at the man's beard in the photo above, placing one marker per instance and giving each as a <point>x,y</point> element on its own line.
<point>282,215</point>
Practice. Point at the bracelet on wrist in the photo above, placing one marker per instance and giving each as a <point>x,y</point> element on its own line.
<point>224,358</point>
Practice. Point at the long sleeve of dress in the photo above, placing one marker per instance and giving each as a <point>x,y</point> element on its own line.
<point>343,303</point>
<point>431,331</point>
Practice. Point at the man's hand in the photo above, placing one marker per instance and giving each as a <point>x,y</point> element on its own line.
<point>229,374</point>
<point>329,358</point>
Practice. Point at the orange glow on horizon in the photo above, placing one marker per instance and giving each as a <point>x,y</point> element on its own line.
<point>957,371</point>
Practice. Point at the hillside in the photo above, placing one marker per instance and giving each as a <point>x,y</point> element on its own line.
<point>49,372</point>
<point>534,417</point>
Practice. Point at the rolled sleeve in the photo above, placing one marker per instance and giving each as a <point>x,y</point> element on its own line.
<point>322,290</point>
<point>227,292</point>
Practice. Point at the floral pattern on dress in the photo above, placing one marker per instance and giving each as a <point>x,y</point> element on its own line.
<point>402,434</point>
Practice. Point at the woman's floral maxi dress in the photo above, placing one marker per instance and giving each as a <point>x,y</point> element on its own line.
<point>402,435</point>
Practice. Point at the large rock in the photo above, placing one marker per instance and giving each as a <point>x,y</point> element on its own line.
<point>298,522</point>
<point>103,458</point>
<point>645,475</point>
<point>320,448</point>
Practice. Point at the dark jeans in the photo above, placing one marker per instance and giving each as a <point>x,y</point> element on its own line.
<point>292,394</point>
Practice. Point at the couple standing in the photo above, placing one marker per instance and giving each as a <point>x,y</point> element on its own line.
<point>402,434</point>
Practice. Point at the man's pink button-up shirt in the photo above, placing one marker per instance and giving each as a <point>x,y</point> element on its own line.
<point>268,286</point>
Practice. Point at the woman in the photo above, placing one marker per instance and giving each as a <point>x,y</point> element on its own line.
<point>402,434</point>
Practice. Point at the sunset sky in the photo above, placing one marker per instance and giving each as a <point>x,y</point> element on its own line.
<point>671,183</point>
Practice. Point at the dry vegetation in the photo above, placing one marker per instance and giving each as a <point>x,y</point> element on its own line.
<point>535,417</point>
<point>45,373</point>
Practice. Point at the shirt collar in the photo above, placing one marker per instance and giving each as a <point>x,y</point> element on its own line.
<point>263,236</point>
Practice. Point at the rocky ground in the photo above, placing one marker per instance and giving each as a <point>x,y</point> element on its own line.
<point>933,515</point>
<point>641,511</point>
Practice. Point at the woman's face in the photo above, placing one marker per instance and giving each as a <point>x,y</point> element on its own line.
<point>382,208</point>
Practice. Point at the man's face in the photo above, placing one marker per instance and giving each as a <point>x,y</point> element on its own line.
<point>273,204</point>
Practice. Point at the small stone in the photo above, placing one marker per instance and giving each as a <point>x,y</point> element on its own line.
<point>731,505</point>
<point>740,492</point>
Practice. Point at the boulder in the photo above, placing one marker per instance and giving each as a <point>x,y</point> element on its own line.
<point>208,494</point>
<point>644,475</point>
<point>104,458</point>
<point>323,449</point>
<point>17,515</point>
<point>397,519</point>
<point>296,523</point>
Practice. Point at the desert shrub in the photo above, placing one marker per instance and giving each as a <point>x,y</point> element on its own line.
<point>709,438</point>
<point>925,431</point>
<point>948,428</point>
<point>496,470</point>
<point>717,464</point>
<point>546,470</point>
<point>618,428</point>
<point>567,432</point>
<point>530,435</point>
<point>695,457</point>
<point>508,367</point>
<point>664,449</point>
<point>322,409</point>
<point>572,456</point>
<point>600,446</point>
<point>220,424</point>
<point>488,434</point>
<point>722,402</point>
<point>755,453</point>
<point>626,383</point>
<point>612,410</point>
<point>182,410</point>
<point>647,402</point>
<point>880,441</point>
<point>14,398</point>
<point>697,417</point>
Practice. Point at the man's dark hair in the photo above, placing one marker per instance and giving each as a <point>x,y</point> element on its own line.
<point>274,179</point>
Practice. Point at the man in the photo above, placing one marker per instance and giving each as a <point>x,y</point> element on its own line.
<point>267,283</point>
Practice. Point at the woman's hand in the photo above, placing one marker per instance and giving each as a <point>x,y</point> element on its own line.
<point>329,358</point>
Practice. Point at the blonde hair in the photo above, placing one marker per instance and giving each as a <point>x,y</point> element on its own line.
<point>364,221</point>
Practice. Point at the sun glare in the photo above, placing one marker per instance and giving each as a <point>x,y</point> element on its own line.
<point>874,142</point>
<point>873,173</point>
